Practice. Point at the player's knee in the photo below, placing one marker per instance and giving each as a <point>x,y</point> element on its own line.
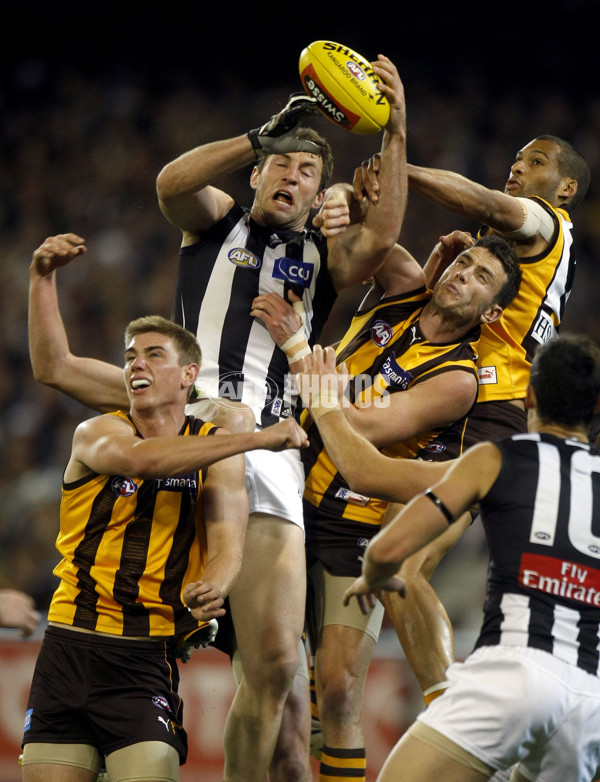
<point>341,698</point>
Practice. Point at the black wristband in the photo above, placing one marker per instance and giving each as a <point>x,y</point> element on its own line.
<point>439,504</point>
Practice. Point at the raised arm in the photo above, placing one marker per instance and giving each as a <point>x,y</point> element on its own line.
<point>427,517</point>
<point>185,190</point>
<point>97,384</point>
<point>359,251</point>
<point>469,199</point>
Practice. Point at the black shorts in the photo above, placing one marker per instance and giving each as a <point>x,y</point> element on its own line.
<point>110,694</point>
<point>339,544</point>
<point>486,421</point>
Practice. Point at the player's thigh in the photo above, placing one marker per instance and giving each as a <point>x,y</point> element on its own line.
<point>268,599</point>
<point>412,759</point>
<point>143,761</point>
<point>44,762</point>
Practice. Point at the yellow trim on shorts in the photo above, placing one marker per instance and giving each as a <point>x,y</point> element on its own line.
<point>419,730</point>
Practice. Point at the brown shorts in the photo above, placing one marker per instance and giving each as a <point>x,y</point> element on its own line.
<point>109,694</point>
<point>486,421</point>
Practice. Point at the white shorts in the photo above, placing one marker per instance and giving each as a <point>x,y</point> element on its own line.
<point>275,484</point>
<point>508,705</point>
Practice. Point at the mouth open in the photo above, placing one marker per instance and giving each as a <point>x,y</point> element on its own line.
<point>141,383</point>
<point>283,198</point>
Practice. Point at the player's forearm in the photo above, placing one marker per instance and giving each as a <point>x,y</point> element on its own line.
<point>48,343</point>
<point>194,170</point>
<point>452,191</point>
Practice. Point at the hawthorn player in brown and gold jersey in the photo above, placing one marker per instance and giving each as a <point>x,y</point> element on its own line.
<point>409,361</point>
<point>128,546</point>
<point>149,503</point>
<point>547,181</point>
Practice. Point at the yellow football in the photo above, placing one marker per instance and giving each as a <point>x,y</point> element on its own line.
<point>345,87</point>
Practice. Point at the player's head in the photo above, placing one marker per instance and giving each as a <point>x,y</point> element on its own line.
<point>551,168</point>
<point>565,380</point>
<point>162,360</point>
<point>322,150</point>
<point>186,344</point>
<point>480,283</point>
<point>288,185</point>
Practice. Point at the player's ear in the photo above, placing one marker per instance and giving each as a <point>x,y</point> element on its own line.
<point>254,178</point>
<point>189,373</point>
<point>493,312</point>
<point>530,400</point>
<point>318,202</point>
<point>568,187</point>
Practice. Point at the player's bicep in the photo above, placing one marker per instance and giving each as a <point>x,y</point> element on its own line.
<point>194,213</point>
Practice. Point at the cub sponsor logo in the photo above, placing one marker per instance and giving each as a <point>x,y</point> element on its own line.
<point>381,333</point>
<point>242,257</point>
<point>123,487</point>
<point>394,375</point>
<point>296,272</point>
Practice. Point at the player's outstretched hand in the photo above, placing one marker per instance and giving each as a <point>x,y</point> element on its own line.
<point>367,599</point>
<point>57,251</point>
<point>277,135</point>
<point>391,86</point>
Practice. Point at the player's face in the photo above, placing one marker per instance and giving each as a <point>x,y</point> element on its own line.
<point>287,188</point>
<point>467,289</point>
<point>535,172</point>
<point>153,374</point>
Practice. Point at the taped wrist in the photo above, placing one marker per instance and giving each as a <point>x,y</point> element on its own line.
<point>323,402</point>
<point>296,347</point>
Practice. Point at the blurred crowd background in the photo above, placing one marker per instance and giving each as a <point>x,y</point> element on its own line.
<point>89,117</point>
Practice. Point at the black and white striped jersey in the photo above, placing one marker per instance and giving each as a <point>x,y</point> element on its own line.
<point>542,522</point>
<point>218,278</point>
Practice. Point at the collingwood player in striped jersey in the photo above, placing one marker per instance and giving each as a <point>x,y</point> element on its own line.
<point>235,265</point>
<point>409,359</point>
<point>529,693</point>
<point>150,504</point>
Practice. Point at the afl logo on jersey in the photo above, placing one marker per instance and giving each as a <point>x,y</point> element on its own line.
<point>242,257</point>
<point>381,333</point>
<point>123,487</point>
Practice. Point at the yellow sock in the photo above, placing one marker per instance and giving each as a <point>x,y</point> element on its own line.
<point>342,765</point>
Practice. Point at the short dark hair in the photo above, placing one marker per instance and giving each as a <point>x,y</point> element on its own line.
<point>571,164</point>
<point>565,376</point>
<point>304,133</point>
<point>188,349</point>
<point>504,250</point>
